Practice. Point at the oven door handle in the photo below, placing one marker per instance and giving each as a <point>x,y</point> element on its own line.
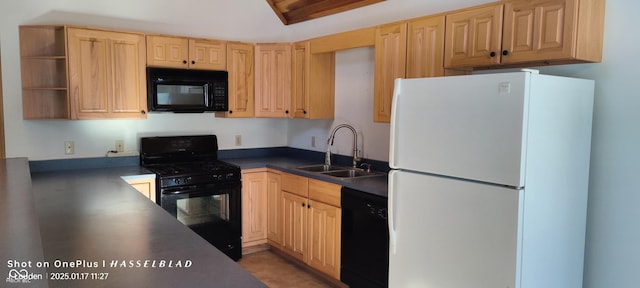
<point>180,190</point>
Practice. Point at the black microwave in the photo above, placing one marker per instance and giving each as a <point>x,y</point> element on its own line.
<point>180,90</point>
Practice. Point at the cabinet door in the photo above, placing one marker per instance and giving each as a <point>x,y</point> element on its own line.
<point>207,54</point>
<point>425,47</point>
<point>313,83</point>
<point>295,225</point>
<point>273,80</point>
<point>88,72</point>
<point>390,63</point>
<point>165,51</point>
<point>254,208</point>
<point>300,81</point>
<point>473,37</point>
<point>274,209</point>
<point>145,186</point>
<point>129,95</point>
<point>241,80</point>
<point>324,238</point>
<point>106,74</point>
<point>538,30</point>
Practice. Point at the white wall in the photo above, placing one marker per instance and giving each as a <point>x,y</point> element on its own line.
<point>40,140</point>
<point>613,233</point>
<point>354,106</point>
<point>613,253</point>
<point>246,20</point>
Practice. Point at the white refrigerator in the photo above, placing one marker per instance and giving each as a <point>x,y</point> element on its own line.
<point>488,181</point>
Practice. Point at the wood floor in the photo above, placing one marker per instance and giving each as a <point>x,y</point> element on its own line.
<point>276,271</point>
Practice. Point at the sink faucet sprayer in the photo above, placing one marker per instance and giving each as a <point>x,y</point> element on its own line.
<point>332,136</point>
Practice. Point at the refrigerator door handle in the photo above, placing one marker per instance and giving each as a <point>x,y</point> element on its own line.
<point>394,119</point>
<point>392,211</point>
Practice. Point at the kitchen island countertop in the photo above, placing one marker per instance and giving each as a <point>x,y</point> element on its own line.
<point>90,224</point>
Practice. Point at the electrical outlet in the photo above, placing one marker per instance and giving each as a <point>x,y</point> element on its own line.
<point>238,140</point>
<point>120,145</point>
<point>313,141</point>
<point>69,147</point>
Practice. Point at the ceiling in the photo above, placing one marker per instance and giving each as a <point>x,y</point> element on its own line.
<point>295,11</point>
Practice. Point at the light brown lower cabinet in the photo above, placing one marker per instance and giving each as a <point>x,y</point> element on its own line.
<point>146,186</point>
<point>323,238</point>
<point>302,217</point>
<point>274,204</point>
<point>311,217</point>
<point>254,207</point>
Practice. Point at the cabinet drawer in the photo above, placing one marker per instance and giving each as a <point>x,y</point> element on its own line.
<point>324,192</point>
<point>295,184</point>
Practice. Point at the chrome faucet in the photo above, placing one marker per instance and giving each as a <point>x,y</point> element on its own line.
<point>332,136</point>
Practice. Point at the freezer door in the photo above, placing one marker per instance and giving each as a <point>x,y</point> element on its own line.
<point>470,127</point>
<point>451,233</point>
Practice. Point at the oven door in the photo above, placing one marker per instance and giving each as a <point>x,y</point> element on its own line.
<point>212,211</point>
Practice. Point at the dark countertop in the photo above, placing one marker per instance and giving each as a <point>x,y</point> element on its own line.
<point>19,227</point>
<point>374,185</point>
<point>89,216</point>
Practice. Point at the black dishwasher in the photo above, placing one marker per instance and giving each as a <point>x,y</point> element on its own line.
<point>365,240</point>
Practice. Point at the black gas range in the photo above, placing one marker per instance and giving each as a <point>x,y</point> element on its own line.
<point>184,175</point>
<point>201,191</point>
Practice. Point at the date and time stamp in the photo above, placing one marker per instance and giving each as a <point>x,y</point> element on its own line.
<point>59,270</point>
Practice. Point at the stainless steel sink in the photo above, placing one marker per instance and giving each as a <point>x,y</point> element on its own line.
<point>352,173</point>
<point>322,168</point>
<point>342,172</point>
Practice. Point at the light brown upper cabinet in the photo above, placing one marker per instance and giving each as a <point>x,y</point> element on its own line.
<point>473,37</point>
<point>273,80</point>
<point>191,53</point>
<point>425,47</point>
<point>390,63</point>
<point>408,49</point>
<point>313,83</point>
<point>528,33</point>
<point>79,73</point>
<point>106,74</point>
<point>43,59</point>
<point>240,59</point>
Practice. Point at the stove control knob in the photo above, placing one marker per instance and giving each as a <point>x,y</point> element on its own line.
<point>176,181</point>
<point>187,180</point>
<point>229,176</point>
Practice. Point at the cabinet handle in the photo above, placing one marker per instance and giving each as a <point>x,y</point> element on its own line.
<point>193,62</point>
<point>505,52</point>
<point>230,111</point>
<point>304,111</point>
<point>184,61</point>
<point>286,111</point>
<point>492,54</point>
<point>143,112</point>
<point>309,206</point>
<point>302,204</point>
